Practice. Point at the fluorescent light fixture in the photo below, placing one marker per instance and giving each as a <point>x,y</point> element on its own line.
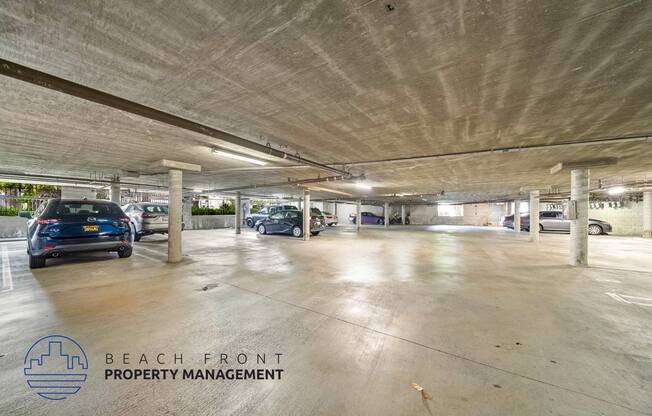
<point>616,190</point>
<point>362,186</point>
<point>197,190</point>
<point>236,156</point>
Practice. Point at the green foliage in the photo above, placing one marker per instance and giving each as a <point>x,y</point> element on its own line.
<point>224,209</point>
<point>30,190</point>
<point>8,212</point>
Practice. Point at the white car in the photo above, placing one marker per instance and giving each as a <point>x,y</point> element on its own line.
<point>329,218</point>
<point>147,218</point>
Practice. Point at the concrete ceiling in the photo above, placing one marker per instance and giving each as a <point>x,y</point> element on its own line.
<point>338,82</point>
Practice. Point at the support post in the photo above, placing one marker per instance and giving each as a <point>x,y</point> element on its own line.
<point>534,216</point>
<point>386,212</point>
<point>175,181</point>
<point>187,212</point>
<point>115,192</point>
<point>403,214</point>
<point>358,215</point>
<point>238,212</point>
<point>306,215</point>
<point>647,214</point>
<point>517,216</point>
<point>579,217</point>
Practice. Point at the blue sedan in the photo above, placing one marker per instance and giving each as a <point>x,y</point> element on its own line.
<point>62,226</point>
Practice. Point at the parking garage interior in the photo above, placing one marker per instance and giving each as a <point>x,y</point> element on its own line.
<point>480,174</point>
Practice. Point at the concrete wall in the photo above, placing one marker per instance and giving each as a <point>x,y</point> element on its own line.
<point>473,214</point>
<point>626,220</point>
<point>13,227</point>
<point>344,210</point>
<point>205,222</point>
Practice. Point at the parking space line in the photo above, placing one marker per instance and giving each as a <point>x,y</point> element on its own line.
<point>7,279</point>
<point>148,257</point>
<point>151,251</point>
<point>633,300</point>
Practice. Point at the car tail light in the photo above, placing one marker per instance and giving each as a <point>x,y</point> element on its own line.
<point>49,247</point>
<point>47,221</point>
<point>146,215</point>
<point>124,219</point>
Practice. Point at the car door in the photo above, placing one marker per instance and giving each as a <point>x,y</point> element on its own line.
<point>564,222</point>
<point>275,222</point>
<point>290,218</point>
<point>547,220</point>
<point>555,221</point>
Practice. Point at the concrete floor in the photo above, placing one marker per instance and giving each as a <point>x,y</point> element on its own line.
<point>488,323</point>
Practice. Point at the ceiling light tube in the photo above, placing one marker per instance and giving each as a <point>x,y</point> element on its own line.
<point>362,186</point>
<point>238,157</point>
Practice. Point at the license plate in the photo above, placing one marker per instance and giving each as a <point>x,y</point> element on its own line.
<point>91,228</point>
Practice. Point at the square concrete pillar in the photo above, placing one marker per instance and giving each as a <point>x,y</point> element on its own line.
<point>534,215</point>
<point>238,212</point>
<point>386,212</point>
<point>579,238</point>
<point>517,216</point>
<point>358,215</point>
<point>647,214</point>
<point>175,201</point>
<point>115,193</point>
<point>187,212</point>
<point>306,215</point>
<point>403,214</point>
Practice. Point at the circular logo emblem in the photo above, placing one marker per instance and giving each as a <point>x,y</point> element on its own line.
<point>55,367</point>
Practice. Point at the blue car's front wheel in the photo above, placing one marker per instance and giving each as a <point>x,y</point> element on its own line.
<point>261,229</point>
<point>296,231</point>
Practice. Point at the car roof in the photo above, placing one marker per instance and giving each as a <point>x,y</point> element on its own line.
<point>81,200</point>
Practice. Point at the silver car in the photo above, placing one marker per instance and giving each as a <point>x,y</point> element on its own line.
<point>555,221</point>
<point>147,218</point>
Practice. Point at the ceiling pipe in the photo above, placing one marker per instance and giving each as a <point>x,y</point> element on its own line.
<point>286,183</point>
<point>500,150</point>
<point>33,76</point>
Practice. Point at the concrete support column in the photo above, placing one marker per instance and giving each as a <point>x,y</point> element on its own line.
<point>335,208</point>
<point>403,214</point>
<point>386,212</point>
<point>175,182</point>
<point>306,215</point>
<point>580,224</point>
<point>238,212</point>
<point>534,216</point>
<point>517,216</point>
<point>115,192</point>
<point>300,205</point>
<point>358,215</point>
<point>187,212</point>
<point>647,214</point>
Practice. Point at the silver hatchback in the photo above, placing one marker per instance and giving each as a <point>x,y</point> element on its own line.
<point>556,221</point>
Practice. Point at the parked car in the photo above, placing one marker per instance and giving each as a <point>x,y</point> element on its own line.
<point>289,222</point>
<point>316,212</point>
<point>147,218</point>
<point>61,226</point>
<point>266,212</point>
<point>330,219</point>
<point>555,221</point>
<point>367,218</point>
